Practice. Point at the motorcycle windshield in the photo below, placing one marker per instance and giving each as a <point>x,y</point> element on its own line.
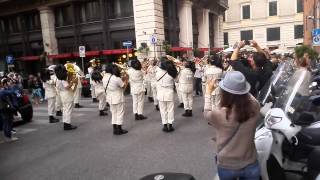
<point>277,83</point>
<point>296,93</point>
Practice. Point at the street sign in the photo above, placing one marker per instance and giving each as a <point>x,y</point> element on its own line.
<point>153,39</point>
<point>9,59</point>
<point>127,44</point>
<point>316,37</point>
<point>82,51</point>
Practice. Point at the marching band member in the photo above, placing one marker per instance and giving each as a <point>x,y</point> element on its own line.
<point>115,88</point>
<point>66,85</point>
<point>58,102</point>
<point>147,80</point>
<point>77,93</point>
<point>93,65</point>
<point>105,80</point>
<point>99,90</point>
<point>50,92</point>
<point>137,89</point>
<point>186,79</point>
<point>152,69</point>
<point>177,84</point>
<point>165,76</point>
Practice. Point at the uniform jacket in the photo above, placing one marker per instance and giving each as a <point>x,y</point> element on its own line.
<point>50,88</point>
<point>165,85</point>
<point>186,80</point>
<point>66,94</point>
<point>136,81</point>
<point>98,88</point>
<point>115,90</point>
<point>211,72</point>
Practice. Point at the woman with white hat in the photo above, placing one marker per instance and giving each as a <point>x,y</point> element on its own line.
<point>235,121</point>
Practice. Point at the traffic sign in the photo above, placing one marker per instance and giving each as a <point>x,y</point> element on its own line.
<point>127,43</point>
<point>9,59</point>
<point>316,37</point>
<point>82,51</point>
<point>153,39</point>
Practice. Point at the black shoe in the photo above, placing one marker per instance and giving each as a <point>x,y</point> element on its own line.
<point>150,99</point>
<point>190,113</point>
<point>186,113</point>
<point>107,105</point>
<point>157,108</point>
<point>77,106</point>
<point>170,128</point>
<point>102,113</point>
<point>181,105</point>
<point>142,117</point>
<point>121,131</point>
<point>95,100</point>
<point>115,129</point>
<point>53,119</point>
<point>165,128</point>
<point>59,113</point>
<point>67,127</point>
<point>136,117</point>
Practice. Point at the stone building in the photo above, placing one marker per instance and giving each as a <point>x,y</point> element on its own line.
<point>34,29</point>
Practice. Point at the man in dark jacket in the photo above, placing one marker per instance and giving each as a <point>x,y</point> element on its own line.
<point>259,71</point>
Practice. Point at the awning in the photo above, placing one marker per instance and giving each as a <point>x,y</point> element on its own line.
<point>60,56</point>
<point>116,51</point>
<point>212,49</point>
<point>88,53</point>
<point>29,58</point>
<point>181,49</point>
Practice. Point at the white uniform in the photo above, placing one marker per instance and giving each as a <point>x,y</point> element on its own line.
<point>115,97</point>
<point>105,81</point>
<point>178,89</point>
<point>165,95</point>
<point>137,90</point>
<point>186,87</point>
<point>58,101</point>
<point>152,73</point>
<point>77,93</point>
<point>93,94</point>
<point>67,97</point>
<point>50,95</point>
<point>211,72</point>
<point>147,83</point>
<point>100,93</point>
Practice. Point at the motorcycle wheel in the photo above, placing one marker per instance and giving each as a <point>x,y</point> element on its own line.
<point>26,112</point>
<point>275,171</point>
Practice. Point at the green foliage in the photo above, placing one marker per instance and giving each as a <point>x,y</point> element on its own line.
<point>143,48</point>
<point>166,47</point>
<point>196,52</point>
<point>301,50</point>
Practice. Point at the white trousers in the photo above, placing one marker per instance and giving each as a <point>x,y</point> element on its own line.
<point>102,101</point>
<point>166,111</point>
<point>179,93</point>
<point>58,102</point>
<point>77,95</point>
<point>117,111</point>
<point>138,103</point>
<point>154,93</point>
<point>67,112</point>
<point>149,90</point>
<point>93,93</point>
<point>187,100</point>
<point>51,106</point>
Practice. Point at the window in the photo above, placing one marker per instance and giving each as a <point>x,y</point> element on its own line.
<point>273,8</point>
<point>246,35</point>
<point>63,16</point>
<point>90,11</point>
<point>2,26</point>
<point>32,21</point>
<point>121,8</point>
<point>299,6</point>
<point>225,38</point>
<point>273,34</point>
<point>246,12</point>
<point>14,24</point>
<point>298,31</point>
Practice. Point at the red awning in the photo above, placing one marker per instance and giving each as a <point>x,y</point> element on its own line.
<point>203,49</point>
<point>116,51</point>
<point>88,54</point>
<point>29,58</point>
<point>60,56</point>
<point>181,49</point>
<point>212,49</point>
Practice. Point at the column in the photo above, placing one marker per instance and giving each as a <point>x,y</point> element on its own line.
<point>203,26</point>
<point>148,20</point>
<point>218,31</point>
<point>185,19</point>
<point>48,31</point>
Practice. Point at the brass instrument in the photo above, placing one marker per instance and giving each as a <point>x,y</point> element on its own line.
<point>123,73</point>
<point>72,77</point>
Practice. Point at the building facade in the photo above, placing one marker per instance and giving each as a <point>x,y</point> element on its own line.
<point>49,30</point>
<point>272,23</point>
<point>311,20</point>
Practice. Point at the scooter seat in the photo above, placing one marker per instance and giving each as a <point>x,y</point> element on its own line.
<point>310,136</point>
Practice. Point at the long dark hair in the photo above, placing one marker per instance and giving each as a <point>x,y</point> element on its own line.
<point>169,66</point>
<point>191,66</point>
<point>241,104</point>
<point>45,75</point>
<point>96,76</point>
<point>61,72</point>
<point>115,70</point>
<point>135,64</point>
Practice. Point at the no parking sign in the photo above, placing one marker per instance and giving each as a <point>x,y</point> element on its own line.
<point>153,39</point>
<point>316,37</point>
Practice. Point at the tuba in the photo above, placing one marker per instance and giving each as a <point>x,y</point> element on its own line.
<point>72,76</point>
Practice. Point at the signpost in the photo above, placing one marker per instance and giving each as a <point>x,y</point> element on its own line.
<point>82,54</point>
<point>153,40</point>
<point>127,44</point>
<point>10,60</point>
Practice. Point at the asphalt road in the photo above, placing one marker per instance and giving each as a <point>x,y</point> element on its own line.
<point>45,151</point>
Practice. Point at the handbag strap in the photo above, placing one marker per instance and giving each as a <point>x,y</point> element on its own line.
<point>229,139</point>
<point>162,76</point>
<point>105,89</point>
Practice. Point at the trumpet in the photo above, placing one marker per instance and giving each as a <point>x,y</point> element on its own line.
<point>72,77</point>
